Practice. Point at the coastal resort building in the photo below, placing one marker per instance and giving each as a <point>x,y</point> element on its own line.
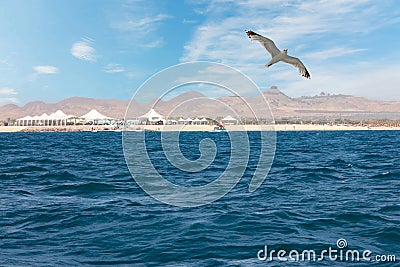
<point>151,117</point>
<point>95,117</point>
<point>57,118</point>
<point>195,121</point>
<point>229,120</point>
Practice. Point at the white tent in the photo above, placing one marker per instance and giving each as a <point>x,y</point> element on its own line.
<point>24,121</point>
<point>26,118</point>
<point>181,121</point>
<point>94,115</point>
<point>28,121</point>
<point>44,119</point>
<point>196,121</point>
<point>60,118</point>
<point>44,116</point>
<point>152,116</point>
<point>204,121</point>
<point>58,115</point>
<point>36,120</point>
<point>229,120</point>
<point>56,118</point>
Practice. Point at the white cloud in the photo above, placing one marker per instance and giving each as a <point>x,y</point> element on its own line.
<point>189,21</point>
<point>332,53</point>
<point>114,68</point>
<point>83,50</point>
<point>5,65</point>
<point>360,79</point>
<point>156,43</point>
<point>304,21</point>
<point>142,24</point>
<point>45,69</point>
<point>138,23</point>
<point>6,96</point>
<point>321,33</point>
<point>7,91</point>
<point>8,100</point>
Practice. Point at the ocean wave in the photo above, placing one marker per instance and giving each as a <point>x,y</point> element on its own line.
<point>69,199</point>
<point>81,188</point>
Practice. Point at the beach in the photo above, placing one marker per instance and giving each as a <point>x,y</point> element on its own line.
<point>194,128</point>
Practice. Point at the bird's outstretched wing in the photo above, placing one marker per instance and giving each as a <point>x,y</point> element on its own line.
<point>298,64</point>
<point>267,43</point>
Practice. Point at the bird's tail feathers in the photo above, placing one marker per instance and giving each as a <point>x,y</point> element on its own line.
<point>268,65</point>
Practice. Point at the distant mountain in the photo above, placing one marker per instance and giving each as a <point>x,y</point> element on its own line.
<point>193,103</point>
<point>75,105</point>
<point>324,105</point>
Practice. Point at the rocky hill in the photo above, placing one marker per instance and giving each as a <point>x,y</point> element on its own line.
<point>196,104</point>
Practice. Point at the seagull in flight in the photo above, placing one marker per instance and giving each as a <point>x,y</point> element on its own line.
<point>278,55</point>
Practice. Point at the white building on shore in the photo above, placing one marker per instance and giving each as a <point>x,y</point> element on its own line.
<point>59,118</point>
<point>54,119</point>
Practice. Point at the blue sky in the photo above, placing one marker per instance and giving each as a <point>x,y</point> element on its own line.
<point>50,50</point>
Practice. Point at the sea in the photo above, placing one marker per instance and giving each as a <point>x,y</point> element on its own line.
<point>69,199</point>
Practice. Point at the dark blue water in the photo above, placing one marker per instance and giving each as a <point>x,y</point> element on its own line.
<point>68,199</point>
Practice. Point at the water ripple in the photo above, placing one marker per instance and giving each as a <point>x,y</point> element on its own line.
<point>68,199</point>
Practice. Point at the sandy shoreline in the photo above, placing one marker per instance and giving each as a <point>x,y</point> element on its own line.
<point>193,128</point>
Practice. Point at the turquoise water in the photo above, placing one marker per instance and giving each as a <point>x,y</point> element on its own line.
<point>69,199</point>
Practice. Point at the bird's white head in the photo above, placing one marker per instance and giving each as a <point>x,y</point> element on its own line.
<point>285,51</point>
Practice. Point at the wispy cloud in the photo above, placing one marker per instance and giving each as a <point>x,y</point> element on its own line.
<point>333,53</point>
<point>5,65</point>
<point>7,96</point>
<point>361,79</point>
<point>7,91</point>
<point>286,24</point>
<point>140,21</point>
<point>302,26</point>
<point>84,50</point>
<point>45,69</point>
<point>8,100</point>
<point>156,43</point>
<point>114,68</point>
<point>189,21</point>
<point>144,24</point>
